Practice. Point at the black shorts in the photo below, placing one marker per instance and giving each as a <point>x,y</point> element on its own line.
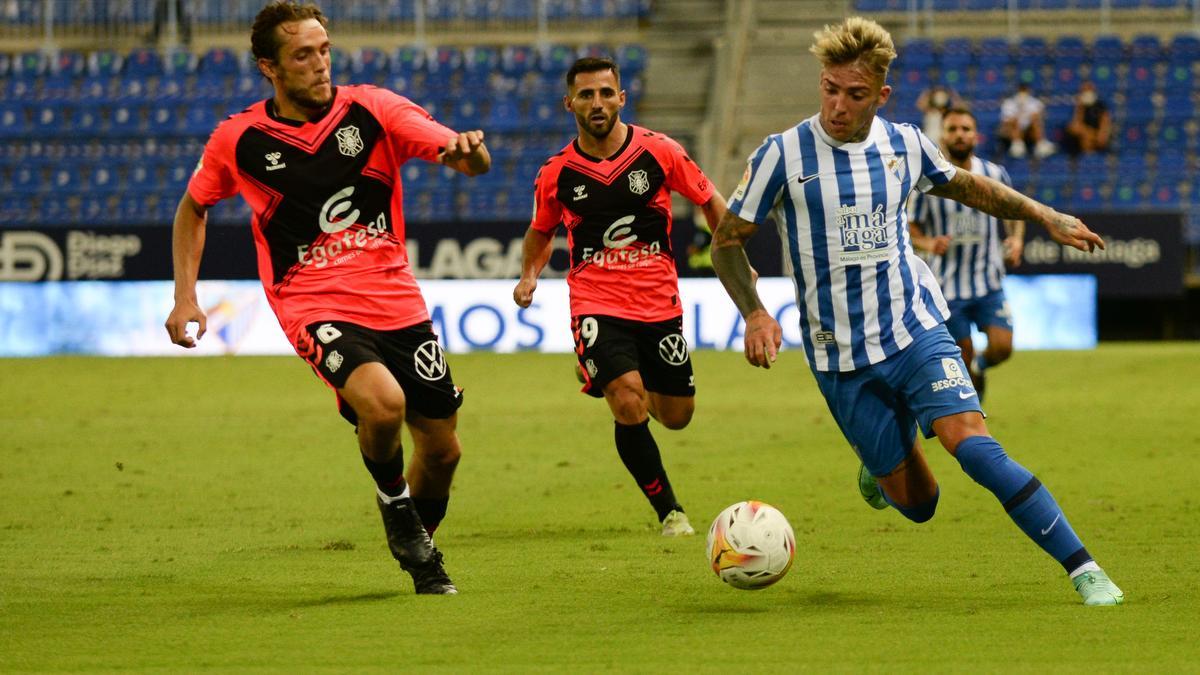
<point>609,347</point>
<point>412,355</point>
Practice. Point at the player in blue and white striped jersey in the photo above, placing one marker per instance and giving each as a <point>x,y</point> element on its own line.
<point>967,253</point>
<point>870,310</point>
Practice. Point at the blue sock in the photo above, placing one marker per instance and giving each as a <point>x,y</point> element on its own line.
<point>981,363</point>
<point>919,513</point>
<point>1027,501</point>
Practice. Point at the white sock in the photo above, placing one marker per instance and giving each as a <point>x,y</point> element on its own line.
<point>1089,566</point>
<point>404,495</point>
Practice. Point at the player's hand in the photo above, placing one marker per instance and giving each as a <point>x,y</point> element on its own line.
<point>763,337</point>
<point>1070,231</point>
<point>1014,247</point>
<point>523,293</point>
<point>939,245</point>
<point>183,313</point>
<point>463,146</point>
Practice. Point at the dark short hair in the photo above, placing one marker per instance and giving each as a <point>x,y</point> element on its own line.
<point>590,64</point>
<point>264,43</point>
<point>961,110</point>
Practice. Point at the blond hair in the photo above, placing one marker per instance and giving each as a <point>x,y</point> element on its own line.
<point>855,40</point>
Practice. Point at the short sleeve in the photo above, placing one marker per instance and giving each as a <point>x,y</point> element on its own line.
<point>762,184</point>
<point>685,176</point>
<point>547,210</point>
<point>935,168</point>
<point>214,177</point>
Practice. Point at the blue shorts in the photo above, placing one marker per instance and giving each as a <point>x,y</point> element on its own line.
<point>990,310</point>
<point>878,407</point>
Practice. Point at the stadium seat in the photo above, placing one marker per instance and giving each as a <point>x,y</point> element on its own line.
<point>143,63</point>
<point>30,65</point>
<point>218,62</point>
<point>406,60</point>
<point>369,64</point>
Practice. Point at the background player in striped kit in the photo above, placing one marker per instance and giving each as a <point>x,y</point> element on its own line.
<point>611,189</point>
<point>967,254</point>
<point>870,310</point>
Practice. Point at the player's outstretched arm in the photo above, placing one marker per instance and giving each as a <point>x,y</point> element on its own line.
<point>187,247</point>
<point>991,196</point>
<point>467,154</point>
<point>763,335</point>
<point>535,254</point>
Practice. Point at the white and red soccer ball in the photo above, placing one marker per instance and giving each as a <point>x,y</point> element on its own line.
<point>751,545</point>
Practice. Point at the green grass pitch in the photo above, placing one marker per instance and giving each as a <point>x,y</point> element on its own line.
<point>212,515</point>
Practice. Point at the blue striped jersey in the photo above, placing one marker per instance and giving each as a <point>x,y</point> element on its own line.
<point>863,294</point>
<point>973,266</point>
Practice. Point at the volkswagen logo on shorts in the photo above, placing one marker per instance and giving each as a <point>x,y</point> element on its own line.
<point>429,361</point>
<point>673,349</point>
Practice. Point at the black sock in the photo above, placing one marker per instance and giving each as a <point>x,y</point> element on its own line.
<point>389,476</point>
<point>639,452</point>
<point>432,510</point>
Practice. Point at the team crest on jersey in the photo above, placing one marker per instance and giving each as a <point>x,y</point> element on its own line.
<point>333,361</point>
<point>896,166</point>
<point>349,142</point>
<point>639,182</point>
<point>273,158</point>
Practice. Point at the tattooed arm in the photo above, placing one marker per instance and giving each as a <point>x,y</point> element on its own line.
<point>993,197</point>
<point>763,334</point>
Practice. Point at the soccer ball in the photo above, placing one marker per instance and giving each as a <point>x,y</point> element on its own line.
<point>751,545</point>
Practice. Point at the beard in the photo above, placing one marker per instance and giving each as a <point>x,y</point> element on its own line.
<point>301,97</point>
<point>600,133</point>
<point>960,153</point>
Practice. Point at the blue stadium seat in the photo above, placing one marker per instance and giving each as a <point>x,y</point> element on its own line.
<point>30,65</point>
<point>65,178</point>
<point>516,60</point>
<point>163,119</point>
<point>369,64</point>
<point>68,63</point>
<point>125,120</point>
<point>407,60</point>
<point>180,63</point>
<point>102,178</point>
<point>143,63</point>
<point>141,177</point>
<point>1108,47</point>
<point>631,59</point>
<point>218,62</point>
<point>49,121</point>
<point>556,59</point>
<point>26,178</point>
<point>1164,196</point>
<point>518,10</point>
<point>1087,198</point>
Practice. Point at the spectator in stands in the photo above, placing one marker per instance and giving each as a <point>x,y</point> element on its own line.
<point>933,104</point>
<point>1090,128</point>
<point>161,11</point>
<point>1022,126</point>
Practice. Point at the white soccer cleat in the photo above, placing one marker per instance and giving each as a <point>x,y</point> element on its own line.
<point>676,525</point>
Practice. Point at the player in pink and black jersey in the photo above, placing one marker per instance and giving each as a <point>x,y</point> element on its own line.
<point>319,167</point>
<point>610,188</point>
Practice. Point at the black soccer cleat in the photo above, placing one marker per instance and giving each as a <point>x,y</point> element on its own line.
<point>412,548</point>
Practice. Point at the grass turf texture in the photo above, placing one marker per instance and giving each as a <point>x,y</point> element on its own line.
<point>189,514</point>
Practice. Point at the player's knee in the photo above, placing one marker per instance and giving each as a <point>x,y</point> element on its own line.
<point>628,406</point>
<point>383,412</point>
<point>676,418</point>
<point>999,353</point>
